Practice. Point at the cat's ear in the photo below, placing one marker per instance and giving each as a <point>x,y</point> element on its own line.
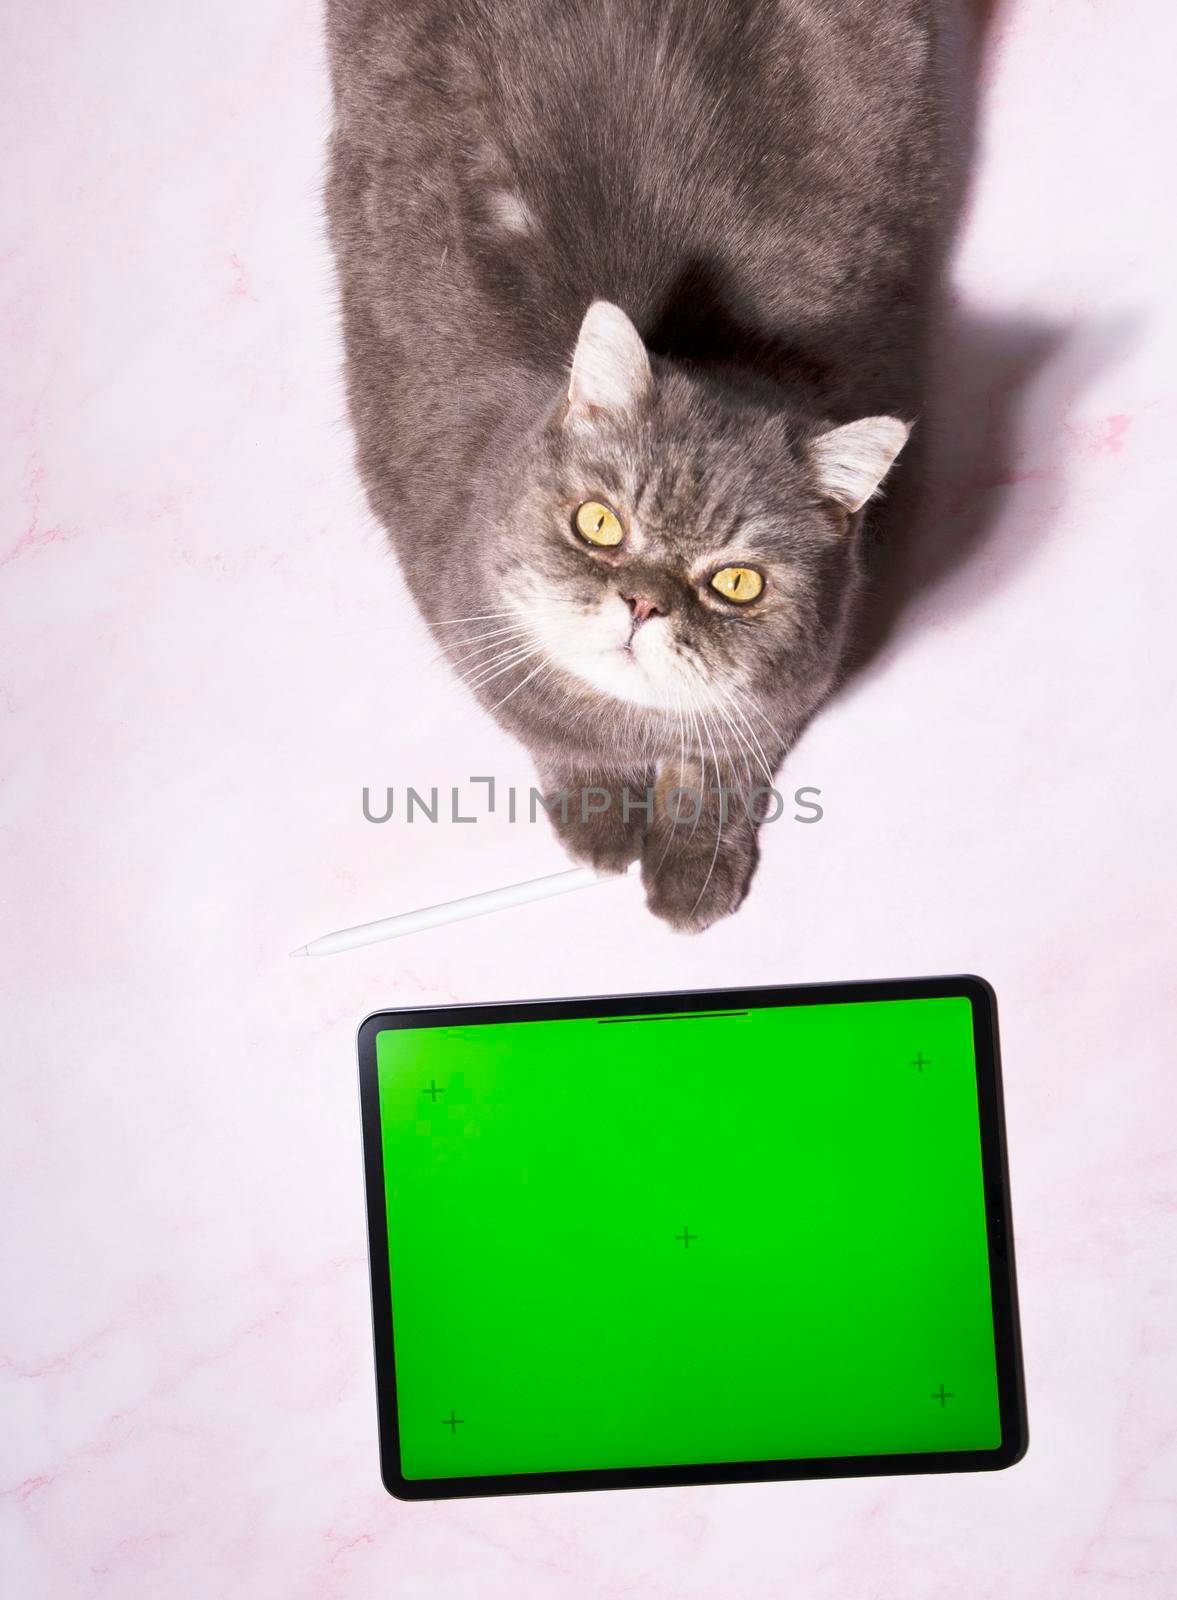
<point>610,367</point>
<point>852,461</point>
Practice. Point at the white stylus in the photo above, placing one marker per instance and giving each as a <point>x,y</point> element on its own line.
<point>473,905</point>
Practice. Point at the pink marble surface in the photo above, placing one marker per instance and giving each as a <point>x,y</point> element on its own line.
<point>207,654</point>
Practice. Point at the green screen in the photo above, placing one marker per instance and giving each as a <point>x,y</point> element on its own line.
<point>691,1239</point>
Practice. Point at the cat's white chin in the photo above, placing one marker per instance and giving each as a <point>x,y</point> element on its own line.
<point>638,667</point>
<point>620,673</point>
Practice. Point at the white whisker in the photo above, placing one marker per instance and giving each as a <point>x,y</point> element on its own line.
<point>751,732</point>
<point>480,677</point>
<point>741,738</point>
<point>542,666</point>
<point>498,640</point>
<point>718,831</point>
<point>682,756</point>
<point>480,616</point>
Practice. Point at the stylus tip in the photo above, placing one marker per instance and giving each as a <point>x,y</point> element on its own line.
<point>301,951</point>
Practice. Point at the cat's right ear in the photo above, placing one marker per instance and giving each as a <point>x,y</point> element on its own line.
<point>610,366</point>
<point>852,461</point>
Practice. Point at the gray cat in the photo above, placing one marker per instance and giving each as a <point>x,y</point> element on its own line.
<point>634,295</point>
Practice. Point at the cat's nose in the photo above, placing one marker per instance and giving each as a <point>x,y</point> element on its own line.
<point>643,606</point>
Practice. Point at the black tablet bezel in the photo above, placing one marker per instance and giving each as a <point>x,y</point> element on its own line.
<point>1007,1341</point>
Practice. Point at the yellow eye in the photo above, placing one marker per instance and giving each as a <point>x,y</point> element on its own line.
<point>740,584</point>
<point>598,523</point>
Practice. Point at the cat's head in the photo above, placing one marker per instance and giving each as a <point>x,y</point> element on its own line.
<point>677,547</point>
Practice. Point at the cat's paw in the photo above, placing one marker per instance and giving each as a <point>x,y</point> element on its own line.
<point>606,838</point>
<point>690,883</point>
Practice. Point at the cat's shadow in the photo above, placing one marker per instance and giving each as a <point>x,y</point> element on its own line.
<point>984,474</point>
<point>987,474</point>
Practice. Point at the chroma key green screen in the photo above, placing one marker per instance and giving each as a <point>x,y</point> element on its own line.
<point>686,1244</point>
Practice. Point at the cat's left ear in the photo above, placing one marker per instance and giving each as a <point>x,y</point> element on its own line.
<point>852,461</point>
<point>610,366</point>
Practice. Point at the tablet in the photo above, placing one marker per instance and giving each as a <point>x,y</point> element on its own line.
<point>724,1236</point>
